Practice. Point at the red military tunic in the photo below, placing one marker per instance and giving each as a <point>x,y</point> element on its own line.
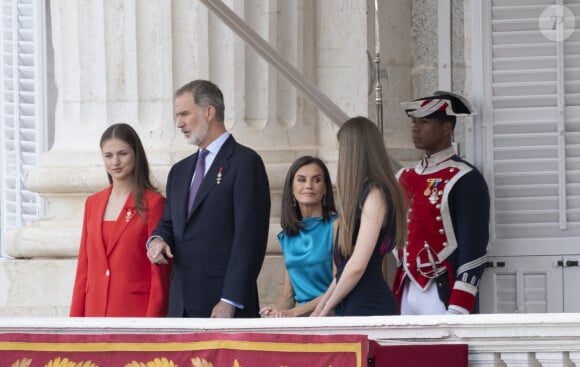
<point>448,221</point>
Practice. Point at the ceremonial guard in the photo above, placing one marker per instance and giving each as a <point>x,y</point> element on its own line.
<point>448,215</point>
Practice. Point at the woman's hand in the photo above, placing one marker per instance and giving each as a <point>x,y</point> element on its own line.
<point>273,311</point>
<point>318,311</point>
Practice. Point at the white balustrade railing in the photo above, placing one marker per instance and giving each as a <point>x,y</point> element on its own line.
<point>493,339</point>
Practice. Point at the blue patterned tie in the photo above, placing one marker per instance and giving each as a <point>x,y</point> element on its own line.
<point>198,176</point>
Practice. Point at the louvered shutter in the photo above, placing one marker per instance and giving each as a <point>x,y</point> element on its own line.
<point>23,108</point>
<point>534,133</point>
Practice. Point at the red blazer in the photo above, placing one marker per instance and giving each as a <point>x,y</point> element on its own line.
<point>120,280</point>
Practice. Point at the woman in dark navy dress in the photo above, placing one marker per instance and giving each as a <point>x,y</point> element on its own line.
<point>372,222</point>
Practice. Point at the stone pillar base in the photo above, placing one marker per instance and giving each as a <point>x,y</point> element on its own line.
<point>36,287</point>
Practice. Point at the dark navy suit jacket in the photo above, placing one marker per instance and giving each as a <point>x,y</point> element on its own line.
<point>219,249</point>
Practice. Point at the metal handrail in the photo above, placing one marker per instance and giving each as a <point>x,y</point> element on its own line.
<point>254,40</point>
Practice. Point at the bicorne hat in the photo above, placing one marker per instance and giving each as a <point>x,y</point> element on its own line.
<point>441,104</point>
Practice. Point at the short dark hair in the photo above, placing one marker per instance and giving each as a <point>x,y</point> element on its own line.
<point>290,214</point>
<point>442,117</point>
<point>205,93</point>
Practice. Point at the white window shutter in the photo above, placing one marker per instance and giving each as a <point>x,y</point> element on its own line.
<point>23,74</point>
<point>535,126</point>
<point>523,284</point>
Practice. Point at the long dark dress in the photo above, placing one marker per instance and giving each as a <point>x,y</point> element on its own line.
<point>372,295</point>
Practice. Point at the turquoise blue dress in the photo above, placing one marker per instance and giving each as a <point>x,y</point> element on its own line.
<point>308,257</point>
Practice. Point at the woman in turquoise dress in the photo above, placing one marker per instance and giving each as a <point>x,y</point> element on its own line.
<point>307,219</point>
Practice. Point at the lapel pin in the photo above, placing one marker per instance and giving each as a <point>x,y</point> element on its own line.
<point>218,179</point>
<point>128,215</point>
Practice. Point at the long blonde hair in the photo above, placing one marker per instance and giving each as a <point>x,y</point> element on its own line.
<point>362,157</point>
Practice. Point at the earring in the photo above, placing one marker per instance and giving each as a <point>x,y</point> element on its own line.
<point>324,199</point>
<point>293,201</point>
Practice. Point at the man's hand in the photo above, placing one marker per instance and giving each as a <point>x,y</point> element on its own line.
<point>223,310</point>
<point>159,252</point>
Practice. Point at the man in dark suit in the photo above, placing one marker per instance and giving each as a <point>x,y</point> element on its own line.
<point>216,234</point>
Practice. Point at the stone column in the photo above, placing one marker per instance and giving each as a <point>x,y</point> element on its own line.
<point>110,66</point>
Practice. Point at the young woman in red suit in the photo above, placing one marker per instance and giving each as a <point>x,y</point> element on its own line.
<point>114,276</point>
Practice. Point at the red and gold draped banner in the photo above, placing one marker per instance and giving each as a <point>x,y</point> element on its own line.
<point>182,350</point>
